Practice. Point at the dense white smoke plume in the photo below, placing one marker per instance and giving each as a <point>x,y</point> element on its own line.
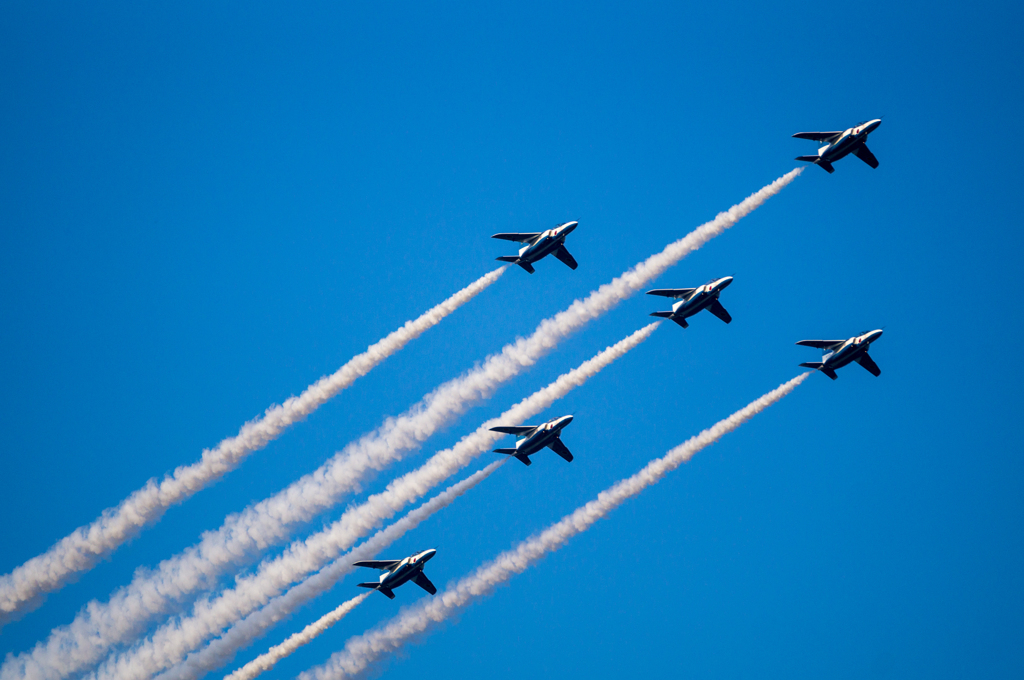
<point>169,644</point>
<point>264,662</point>
<point>362,651</point>
<point>89,544</point>
<point>223,649</point>
<point>99,627</point>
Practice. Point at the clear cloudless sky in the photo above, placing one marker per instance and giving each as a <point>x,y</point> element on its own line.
<point>204,207</point>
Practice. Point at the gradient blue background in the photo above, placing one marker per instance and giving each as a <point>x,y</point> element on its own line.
<point>205,208</point>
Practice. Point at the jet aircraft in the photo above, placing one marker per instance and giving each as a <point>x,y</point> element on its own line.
<point>533,438</point>
<point>839,144</point>
<point>397,572</point>
<point>693,300</point>
<point>838,353</point>
<point>540,244</point>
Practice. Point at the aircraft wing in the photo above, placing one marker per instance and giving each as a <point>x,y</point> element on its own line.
<point>522,238</point>
<point>818,136</point>
<point>518,430</point>
<point>561,449</point>
<point>422,581</point>
<point>821,344</point>
<point>671,292</point>
<point>562,254</point>
<point>869,363</point>
<point>862,152</point>
<point>383,565</point>
<point>718,310</point>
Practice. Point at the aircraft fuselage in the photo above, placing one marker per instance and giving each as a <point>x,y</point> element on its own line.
<point>699,299</point>
<point>543,436</point>
<point>849,141</point>
<point>546,243</point>
<point>850,350</point>
<point>405,570</point>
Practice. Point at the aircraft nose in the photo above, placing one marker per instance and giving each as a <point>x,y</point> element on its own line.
<point>874,124</point>
<point>874,335</point>
<point>566,420</point>
<point>724,282</point>
<point>568,227</point>
<point>427,554</point>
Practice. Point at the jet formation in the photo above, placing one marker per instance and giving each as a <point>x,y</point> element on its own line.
<point>693,300</point>
<point>396,572</point>
<point>533,438</point>
<point>842,143</point>
<point>538,245</point>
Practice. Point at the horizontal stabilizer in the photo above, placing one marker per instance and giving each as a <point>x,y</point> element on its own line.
<point>376,586</point>
<point>817,159</point>
<point>507,452</point>
<point>508,258</point>
<point>662,315</point>
<point>821,367</point>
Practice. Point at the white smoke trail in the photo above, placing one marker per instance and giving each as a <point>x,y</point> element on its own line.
<point>360,652</point>
<point>87,545</point>
<point>264,662</point>
<point>169,644</point>
<point>98,627</point>
<point>223,649</point>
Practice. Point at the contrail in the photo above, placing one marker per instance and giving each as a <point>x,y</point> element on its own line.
<point>222,650</point>
<point>172,641</point>
<point>264,662</point>
<point>89,544</point>
<point>98,627</point>
<point>361,651</point>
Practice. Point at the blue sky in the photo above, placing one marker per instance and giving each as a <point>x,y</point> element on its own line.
<point>205,208</point>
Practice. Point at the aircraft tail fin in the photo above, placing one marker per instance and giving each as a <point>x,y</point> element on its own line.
<point>525,460</point>
<point>681,321</point>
